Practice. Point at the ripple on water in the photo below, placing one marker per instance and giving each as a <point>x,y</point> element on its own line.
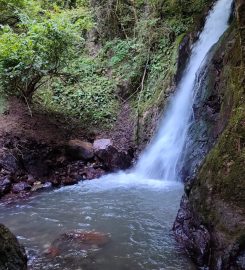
<point>138,217</point>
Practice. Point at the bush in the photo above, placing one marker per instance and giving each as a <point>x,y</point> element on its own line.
<point>29,58</point>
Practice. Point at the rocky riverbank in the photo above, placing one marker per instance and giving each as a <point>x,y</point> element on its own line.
<point>38,154</point>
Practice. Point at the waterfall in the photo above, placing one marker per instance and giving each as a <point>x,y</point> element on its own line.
<point>161,158</point>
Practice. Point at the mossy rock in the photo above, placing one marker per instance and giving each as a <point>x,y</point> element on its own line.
<point>12,254</point>
<point>217,197</point>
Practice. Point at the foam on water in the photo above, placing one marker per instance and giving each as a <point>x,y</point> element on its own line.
<point>122,180</point>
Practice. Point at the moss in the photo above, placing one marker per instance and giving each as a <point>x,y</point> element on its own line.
<point>12,255</point>
<point>218,194</point>
<point>224,168</point>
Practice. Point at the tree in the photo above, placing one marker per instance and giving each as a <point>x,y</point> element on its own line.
<point>28,58</point>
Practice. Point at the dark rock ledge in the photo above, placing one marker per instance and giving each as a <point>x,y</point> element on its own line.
<point>28,166</point>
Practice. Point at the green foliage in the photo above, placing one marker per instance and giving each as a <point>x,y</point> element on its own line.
<point>87,94</point>
<point>44,46</point>
<point>43,49</point>
<point>40,43</point>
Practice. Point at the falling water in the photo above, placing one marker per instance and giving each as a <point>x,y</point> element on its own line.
<point>137,207</point>
<point>161,159</point>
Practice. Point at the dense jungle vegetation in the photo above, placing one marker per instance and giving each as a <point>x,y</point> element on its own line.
<point>83,58</point>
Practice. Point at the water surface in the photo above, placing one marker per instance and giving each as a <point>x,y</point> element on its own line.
<point>138,215</point>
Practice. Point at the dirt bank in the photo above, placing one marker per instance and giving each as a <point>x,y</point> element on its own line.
<point>39,151</point>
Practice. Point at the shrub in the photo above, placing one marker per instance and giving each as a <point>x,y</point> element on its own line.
<point>36,54</point>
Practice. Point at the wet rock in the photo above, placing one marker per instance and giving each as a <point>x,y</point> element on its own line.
<point>5,186</point>
<point>76,241</point>
<point>113,159</point>
<point>92,173</point>
<point>47,185</point>
<point>210,223</point>
<point>191,234</point>
<point>53,252</point>
<point>12,254</point>
<point>77,149</point>
<point>39,186</point>
<point>68,181</point>
<point>240,261</point>
<point>184,53</point>
<point>56,181</point>
<point>20,187</point>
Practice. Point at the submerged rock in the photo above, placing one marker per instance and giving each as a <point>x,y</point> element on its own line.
<point>12,254</point>
<point>77,149</point>
<point>77,241</point>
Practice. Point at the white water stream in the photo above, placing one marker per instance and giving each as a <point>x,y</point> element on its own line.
<point>137,207</point>
<point>161,159</point>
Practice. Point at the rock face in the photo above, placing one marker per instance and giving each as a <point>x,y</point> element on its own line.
<point>189,231</point>
<point>12,255</point>
<point>208,120</point>
<point>210,224</point>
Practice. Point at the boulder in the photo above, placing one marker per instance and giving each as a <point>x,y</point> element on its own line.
<point>113,159</point>
<point>77,241</point>
<point>77,150</point>
<point>5,186</point>
<point>12,254</point>
<point>19,187</point>
<point>101,144</point>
